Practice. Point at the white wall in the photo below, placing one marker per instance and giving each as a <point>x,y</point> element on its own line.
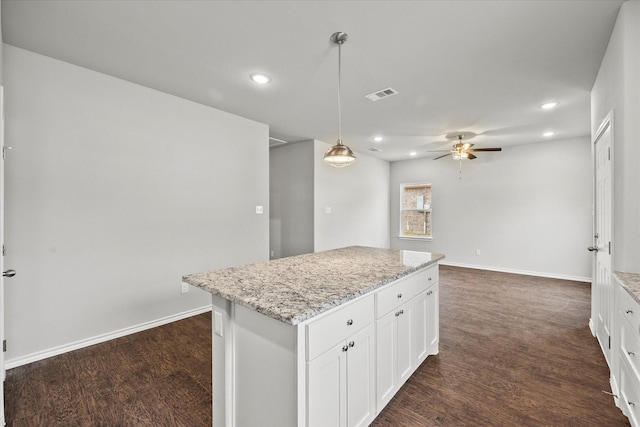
<point>291,199</point>
<point>527,208</point>
<point>358,196</point>
<point>617,88</point>
<point>113,192</point>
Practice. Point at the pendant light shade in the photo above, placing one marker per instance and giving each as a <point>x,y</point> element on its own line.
<point>339,155</point>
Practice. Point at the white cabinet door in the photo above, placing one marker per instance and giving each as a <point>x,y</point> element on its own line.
<point>404,347</point>
<point>327,387</point>
<point>361,378</point>
<point>433,314</point>
<point>421,316</point>
<point>386,378</point>
<point>394,354</point>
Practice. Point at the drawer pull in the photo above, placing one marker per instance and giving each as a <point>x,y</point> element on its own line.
<point>349,322</point>
<point>631,353</point>
<point>631,403</point>
<point>629,311</point>
<point>351,344</point>
<point>429,279</point>
<point>399,295</point>
<point>345,348</point>
<point>398,313</point>
<point>429,293</point>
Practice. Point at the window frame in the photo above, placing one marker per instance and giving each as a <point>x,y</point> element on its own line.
<point>402,210</point>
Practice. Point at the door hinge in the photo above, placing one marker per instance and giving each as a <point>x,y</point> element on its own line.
<point>4,250</point>
<point>4,345</point>
<point>608,153</point>
<point>609,342</point>
<point>609,247</point>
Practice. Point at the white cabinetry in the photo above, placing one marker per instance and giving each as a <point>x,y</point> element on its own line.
<point>427,324</point>
<point>406,330</point>
<point>340,388</point>
<point>628,349</point>
<point>339,368</point>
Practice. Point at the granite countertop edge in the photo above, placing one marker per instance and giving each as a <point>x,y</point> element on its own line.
<point>630,282</point>
<point>296,316</point>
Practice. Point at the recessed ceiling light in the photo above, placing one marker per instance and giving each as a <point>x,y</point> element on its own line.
<point>377,138</point>
<point>413,153</point>
<point>548,134</point>
<point>262,79</point>
<point>549,105</point>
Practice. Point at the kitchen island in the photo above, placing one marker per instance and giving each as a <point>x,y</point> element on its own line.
<point>319,339</point>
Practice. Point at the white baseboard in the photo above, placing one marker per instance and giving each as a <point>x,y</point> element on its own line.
<point>55,351</point>
<point>523,272</point>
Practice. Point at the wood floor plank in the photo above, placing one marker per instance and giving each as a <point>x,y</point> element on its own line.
<point>514,351</point>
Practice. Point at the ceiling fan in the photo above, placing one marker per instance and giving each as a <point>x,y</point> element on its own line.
<point>463,150</point>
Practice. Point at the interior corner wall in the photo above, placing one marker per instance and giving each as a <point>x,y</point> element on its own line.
<point>291,199</point>
<point>617,89</point>
<point>113,192</point>
<point>526,209</point>
<point>351,204</point>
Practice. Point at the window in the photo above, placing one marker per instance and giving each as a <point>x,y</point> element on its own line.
<point>415,211</point>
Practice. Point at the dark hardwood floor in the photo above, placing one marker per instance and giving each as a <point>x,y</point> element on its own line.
<point>514,351</point>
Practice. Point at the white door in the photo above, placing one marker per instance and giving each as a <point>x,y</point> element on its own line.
<point>601,286</point>
<point>5,273</point>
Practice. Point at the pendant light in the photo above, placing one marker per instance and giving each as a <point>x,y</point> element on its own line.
<point>339,155</point>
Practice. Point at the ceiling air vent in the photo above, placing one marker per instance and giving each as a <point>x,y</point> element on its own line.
<point>380,94</point>
<point>374,149</point>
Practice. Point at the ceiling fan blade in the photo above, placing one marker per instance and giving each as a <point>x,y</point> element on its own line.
<point>484,149</point>
<point>437,151</point>
<point>439,157</point>
<point>471,156</point>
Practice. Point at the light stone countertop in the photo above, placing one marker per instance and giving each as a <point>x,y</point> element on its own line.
<point>297,288</point>
<point>631,282</point>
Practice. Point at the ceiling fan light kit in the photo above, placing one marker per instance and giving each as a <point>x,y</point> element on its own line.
<point>339,155</point>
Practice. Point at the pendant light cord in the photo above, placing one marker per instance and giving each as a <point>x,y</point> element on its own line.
<point>339,102</point>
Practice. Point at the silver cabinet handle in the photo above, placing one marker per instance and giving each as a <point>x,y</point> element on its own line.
<point>429,279</point>
<point>398,313</point>
<point>631,403</point>
<point>345,348</point>
<point>399,295</point>
<point>592,249</point>
<point>629,311</point>
<point>631,353</point>
<point>429,293</point>
<point>349,322</point>
<point>9,273</point>
<point>351,344</point>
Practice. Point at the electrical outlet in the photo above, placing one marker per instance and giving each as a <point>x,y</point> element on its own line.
<point>185,288</point>
<point>217,323</point>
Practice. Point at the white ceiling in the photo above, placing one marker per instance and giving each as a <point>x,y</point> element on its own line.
<point>482,67</point>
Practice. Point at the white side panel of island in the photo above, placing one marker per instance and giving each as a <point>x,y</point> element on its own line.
<point>259,379</point>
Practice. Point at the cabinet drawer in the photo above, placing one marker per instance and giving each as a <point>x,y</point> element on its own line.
<point>630,346</point>
<point>629,394</point>
<point>629,308</point>
<point>338,325</point>
<point>395,294</point>
<point>425,279</point>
